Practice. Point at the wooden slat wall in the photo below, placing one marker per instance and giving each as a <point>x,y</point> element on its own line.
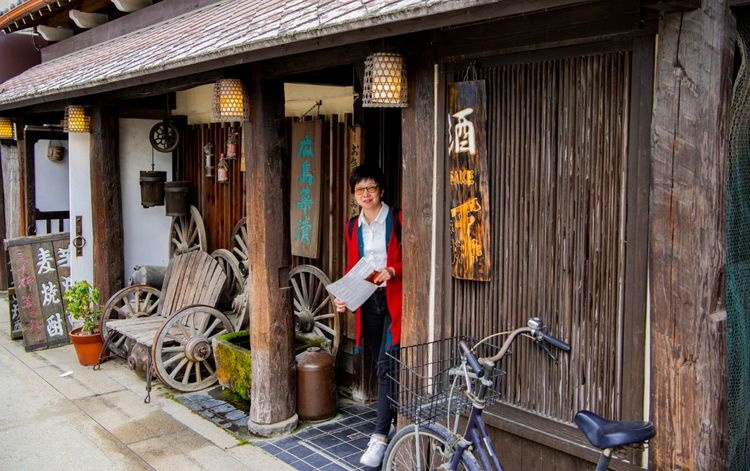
<point>222,205</point>
<point>557,146</point>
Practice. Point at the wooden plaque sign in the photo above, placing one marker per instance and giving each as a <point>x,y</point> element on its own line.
<point>355,159</point>
<point>467,153</point>
<point>305,192</point>
<point>41,273</point>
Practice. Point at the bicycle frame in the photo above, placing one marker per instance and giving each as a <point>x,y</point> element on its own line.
<point>476,434</point>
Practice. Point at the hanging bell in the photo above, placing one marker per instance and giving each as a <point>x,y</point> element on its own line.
<point>222,170</point>
<point>232,144</point>
<point>208,155</point>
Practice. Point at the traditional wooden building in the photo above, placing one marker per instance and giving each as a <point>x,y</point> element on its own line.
<point>598,205</point>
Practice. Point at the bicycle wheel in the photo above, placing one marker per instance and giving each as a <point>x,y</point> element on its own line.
<point>434,450</point>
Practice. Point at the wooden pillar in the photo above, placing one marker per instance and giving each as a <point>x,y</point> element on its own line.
<point>106,205</point>
<point>421,171</point>
<point>273,396</point>
<point>687,244</point>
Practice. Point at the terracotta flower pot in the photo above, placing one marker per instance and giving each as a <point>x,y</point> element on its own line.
<point>88,346</point>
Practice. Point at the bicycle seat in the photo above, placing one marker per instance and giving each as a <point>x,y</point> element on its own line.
<point>603,433</point>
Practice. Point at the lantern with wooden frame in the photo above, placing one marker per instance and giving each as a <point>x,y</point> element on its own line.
<point>385,81</point>
<point>6,128</point>
<point>230,101</point>
<point>76,119</point>
<point>222,170</point>
<point>232,139</point>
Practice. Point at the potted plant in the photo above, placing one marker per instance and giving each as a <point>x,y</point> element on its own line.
<point>82,302</point>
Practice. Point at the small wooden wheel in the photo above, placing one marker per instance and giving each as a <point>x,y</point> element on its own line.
<point>187,233</point>
<point>182,351</point>
<point>239,244</point>
<point>133,301</point>
<point>164,137</point>
<point>314,315</point>
<point>235,284</point>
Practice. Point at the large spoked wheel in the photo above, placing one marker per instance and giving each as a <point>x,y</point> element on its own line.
<point>187,233</point>
<point>428,450</point>
<point>182,351</point>
<point>133,301</point>
<point>234,286</point>
<point>314,315</point>
<point>239,244</point>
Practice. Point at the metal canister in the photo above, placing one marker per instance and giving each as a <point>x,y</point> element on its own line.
<point>316,385</point>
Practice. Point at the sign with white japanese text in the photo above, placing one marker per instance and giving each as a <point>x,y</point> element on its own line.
<point>41,273</point>
<point>467,153</point>
<point>305,188</point>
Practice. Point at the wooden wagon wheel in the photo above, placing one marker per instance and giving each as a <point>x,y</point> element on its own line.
<point>182,351</point>
<point>187,233</point>
<point>133,301</point>
<point>238,243</point>
<point>234,286</point>
<point>314,315</point>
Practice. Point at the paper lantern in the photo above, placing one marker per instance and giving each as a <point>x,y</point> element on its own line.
<point>385,81</point>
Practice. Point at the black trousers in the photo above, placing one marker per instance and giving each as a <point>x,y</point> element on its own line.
<point>375,323</point>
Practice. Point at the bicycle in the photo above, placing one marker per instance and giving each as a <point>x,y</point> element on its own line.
<point>423,374</point>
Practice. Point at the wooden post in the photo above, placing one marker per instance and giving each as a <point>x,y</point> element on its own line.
<point>106,206</point>
<point>273,396</point>
<point>687,244</point>
<point>418,134</point>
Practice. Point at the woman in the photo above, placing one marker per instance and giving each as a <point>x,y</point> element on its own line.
<point>376,235</point>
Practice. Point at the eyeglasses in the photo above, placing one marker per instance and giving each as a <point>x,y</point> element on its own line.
<point>370,189</point>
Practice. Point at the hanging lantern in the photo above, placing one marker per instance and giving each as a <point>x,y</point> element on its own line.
<point>6,128</point>
<point>232,139</point>
<point>208,156</point>
<point>230,103</point>
<point>385,81</point>
<point>76,119</point>
<point>222,170</point>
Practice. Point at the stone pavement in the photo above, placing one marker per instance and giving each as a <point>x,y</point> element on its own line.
<point>59,415</point>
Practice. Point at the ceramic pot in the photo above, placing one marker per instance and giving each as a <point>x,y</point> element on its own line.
<point>88,346</point>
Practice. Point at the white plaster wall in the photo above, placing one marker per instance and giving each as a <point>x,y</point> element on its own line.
<point>196,103</point>
<point>79,175</point>
<point>51,180</point>
<point>300,97</point>
<point>145,230</point>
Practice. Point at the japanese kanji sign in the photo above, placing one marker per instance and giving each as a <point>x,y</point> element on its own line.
<point>305,192</point>
<point>41,273</point>
<point>467,153</point>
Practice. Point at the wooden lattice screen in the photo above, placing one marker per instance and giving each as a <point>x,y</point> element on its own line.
<point>557,136</point>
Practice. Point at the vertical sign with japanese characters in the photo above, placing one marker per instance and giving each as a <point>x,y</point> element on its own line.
<point>38,264</point>
<point>467,153</point>
<point>355,160</point>
<point>305,188</point>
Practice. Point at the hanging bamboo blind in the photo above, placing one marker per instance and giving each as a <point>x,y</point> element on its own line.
<point>557,135</point>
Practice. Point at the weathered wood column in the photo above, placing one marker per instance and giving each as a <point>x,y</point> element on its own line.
<point>106,205</point>
<point>418,201</point>
<point>687,246</point>
<point>273,395</point>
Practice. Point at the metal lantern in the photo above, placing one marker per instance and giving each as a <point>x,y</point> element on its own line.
<point>6,128</point>
<point>208,155</point>
<point>76,119</point>
<point>230,102</point>
<point>232,139</point>
<point>222,170</point>
<point>385,81</point>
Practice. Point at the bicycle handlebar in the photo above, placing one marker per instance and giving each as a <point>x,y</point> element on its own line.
<point>555,342</point>
<point>471,358</point>
<point>535,328</point>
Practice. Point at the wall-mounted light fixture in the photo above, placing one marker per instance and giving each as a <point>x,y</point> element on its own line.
<point>385,81</point>
<point>6,128</point>
<point>230,102</point>
<point>76,119</point>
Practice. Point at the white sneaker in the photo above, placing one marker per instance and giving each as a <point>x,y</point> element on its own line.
<point>374,454</point>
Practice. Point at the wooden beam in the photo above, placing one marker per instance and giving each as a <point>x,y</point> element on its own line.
<point>28,184</point>
<point>106,206</point>
<point>273,396</point>
<point>666,6</point>
<point>687,245</point>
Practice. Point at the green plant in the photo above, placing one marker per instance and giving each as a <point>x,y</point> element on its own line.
<point>82,302</point>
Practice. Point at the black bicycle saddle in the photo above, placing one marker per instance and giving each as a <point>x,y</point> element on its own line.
<point>603,433</point>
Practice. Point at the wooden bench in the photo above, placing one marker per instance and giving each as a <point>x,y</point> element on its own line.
<point>175,326</point>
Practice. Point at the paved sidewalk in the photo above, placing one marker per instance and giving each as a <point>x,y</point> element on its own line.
<point>58,415</point>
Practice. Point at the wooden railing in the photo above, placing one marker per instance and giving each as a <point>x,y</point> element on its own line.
<point>50,217</point>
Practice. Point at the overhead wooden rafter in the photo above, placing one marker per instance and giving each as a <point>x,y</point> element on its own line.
<point>47,12</point>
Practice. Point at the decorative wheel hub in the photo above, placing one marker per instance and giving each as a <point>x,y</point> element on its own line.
<point>304,321</point>
<point>198,348</point>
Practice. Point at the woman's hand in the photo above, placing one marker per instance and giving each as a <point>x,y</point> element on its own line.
<point>384,275</point>
<point>340,305</point>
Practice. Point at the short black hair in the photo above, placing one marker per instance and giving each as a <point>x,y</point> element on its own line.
<point>364,172</point>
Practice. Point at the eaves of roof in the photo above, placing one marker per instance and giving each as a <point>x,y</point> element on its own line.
<point>226,33</point>
<point>29,7</point>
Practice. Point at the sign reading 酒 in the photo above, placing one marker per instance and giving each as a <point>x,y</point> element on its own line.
<point>467,153</point>
<point>305,189</point>
<point>41,273</point>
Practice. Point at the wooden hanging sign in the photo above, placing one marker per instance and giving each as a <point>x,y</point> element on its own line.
<point>305,188</point>
<point>467,153</point>
<point>41,273</point>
